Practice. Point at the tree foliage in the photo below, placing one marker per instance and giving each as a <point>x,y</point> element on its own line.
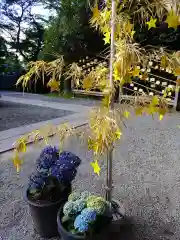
<point>23,29</point>
<point>69,33</point>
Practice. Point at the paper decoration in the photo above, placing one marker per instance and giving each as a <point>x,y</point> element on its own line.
<point>151,23</point>
<point>96,167</point>
<point>150,64</point>
<point>172,20</point>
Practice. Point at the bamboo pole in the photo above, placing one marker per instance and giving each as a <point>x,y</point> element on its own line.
<point>112,53</point>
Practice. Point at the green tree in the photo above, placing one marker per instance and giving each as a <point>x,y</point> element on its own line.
<point>69,32</point>
<point>23,29</point>
<point>32,42</point>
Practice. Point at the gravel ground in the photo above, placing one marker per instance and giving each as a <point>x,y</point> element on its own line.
<point>79,101</point>
<point>14,115</point>
<point>146,174</point>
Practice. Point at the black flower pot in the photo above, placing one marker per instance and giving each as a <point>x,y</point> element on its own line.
<point>65,235</point>
<point>45,215</point>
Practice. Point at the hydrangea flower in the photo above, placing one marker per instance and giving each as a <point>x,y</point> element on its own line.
<point>80,224</point>
<point>74,196</point>
<point>73,208</point>
<point>83,220</point>
<point>97,203</point>
<point>52,164</point>
<point>37,180</point>
<point>89,215</point>
<point>79,205</point>
<point>85,195</point>
<point>68,208</point>
<point>63,172</point>
<point>47,159</point>
<point>70,157</point>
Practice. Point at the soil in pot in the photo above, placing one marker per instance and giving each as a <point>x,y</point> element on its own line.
<point>100,232</point>
<point>44,212</point>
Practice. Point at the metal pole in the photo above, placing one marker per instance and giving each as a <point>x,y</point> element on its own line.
<point>110,152</point>
<point>177,97</point>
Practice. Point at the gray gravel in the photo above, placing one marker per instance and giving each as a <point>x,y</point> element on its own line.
<point>146,174</point>
<point>79,101</point>
<point>14,115</point>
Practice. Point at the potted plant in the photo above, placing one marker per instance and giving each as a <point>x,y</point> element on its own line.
<point>49,187</point>
<point>84,216</point>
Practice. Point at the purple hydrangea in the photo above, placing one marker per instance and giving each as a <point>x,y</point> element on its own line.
<point>50,163</point>
<point>65,167</point>
<point>47,159</point>
<point>70,157</point>
<point>64,172</point>
<point>37,180</point>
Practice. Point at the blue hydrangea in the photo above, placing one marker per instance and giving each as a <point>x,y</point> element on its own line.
<point>70,157</point>
<point>89,215</point>
<point>83,220</point>
<point>80,224</point>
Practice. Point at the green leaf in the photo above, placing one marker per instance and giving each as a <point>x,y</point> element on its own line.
<point>33,191</point>
<point>65,219</point>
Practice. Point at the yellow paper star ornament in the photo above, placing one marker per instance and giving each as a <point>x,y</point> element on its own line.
<point>172,20</point>
<point>96,167</point>
<point>107,37</point>
<point>118,134</point>
<point>96,12</point>
<point>151,23</point>
<point>161,117</point>
<point>126,114</point>
<point>136,72</point>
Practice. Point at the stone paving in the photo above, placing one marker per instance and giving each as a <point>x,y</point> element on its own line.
<point>67,110</point>
<point>13,114</point>
<point>146,174</point>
